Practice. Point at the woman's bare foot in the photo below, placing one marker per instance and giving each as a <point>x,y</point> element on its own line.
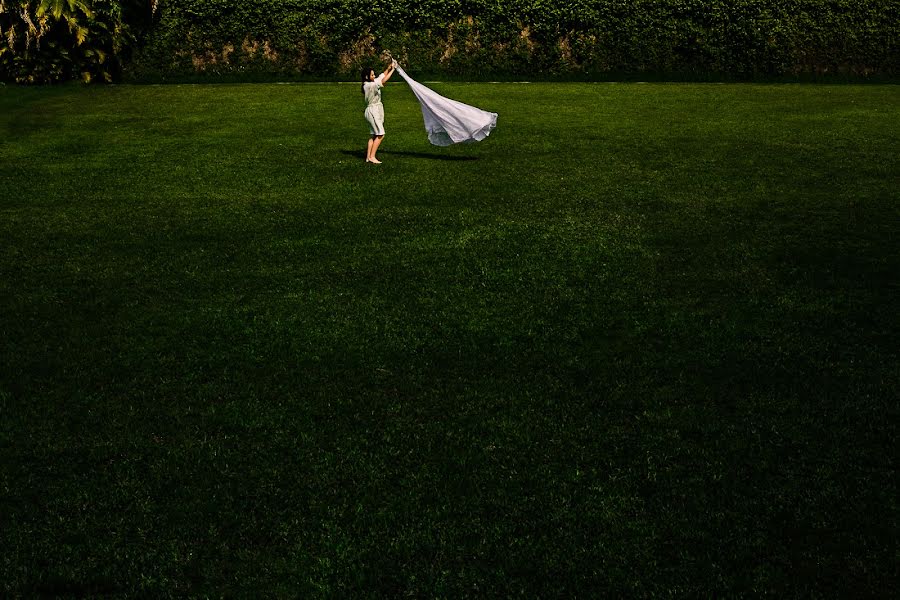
<point>373,161</point>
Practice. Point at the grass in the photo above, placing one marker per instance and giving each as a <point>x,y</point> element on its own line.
<point>641,341</point>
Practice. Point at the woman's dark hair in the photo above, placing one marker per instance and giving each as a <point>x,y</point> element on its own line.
<point>364,75</point>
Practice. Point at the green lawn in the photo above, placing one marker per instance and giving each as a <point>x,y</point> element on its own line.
<point>640,341</point>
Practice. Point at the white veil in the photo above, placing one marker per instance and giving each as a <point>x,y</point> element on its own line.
<point>448,121</point>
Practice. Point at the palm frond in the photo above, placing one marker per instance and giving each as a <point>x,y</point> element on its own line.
<point>59,7</point>
<point>27,18</point>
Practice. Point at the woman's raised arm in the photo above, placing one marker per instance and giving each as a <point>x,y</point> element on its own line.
<point>387,74</point>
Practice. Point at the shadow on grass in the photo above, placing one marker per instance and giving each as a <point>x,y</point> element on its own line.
<point>360,154</point>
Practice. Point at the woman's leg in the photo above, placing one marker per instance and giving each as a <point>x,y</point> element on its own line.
<point>375,143</point>
<point>369,148</point>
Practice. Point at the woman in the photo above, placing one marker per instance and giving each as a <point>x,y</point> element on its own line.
<point>371,89</point>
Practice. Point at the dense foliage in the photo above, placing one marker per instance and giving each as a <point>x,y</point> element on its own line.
<point>53,40</point>
<point>487,37</point>
<point>45,41</point>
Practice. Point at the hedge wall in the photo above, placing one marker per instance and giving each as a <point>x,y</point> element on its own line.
<point>484,38</point>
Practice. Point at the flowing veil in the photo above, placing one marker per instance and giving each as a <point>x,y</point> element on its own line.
<point>448,121</point>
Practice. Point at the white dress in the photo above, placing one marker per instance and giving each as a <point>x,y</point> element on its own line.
<point>374,108</point>
<point>448,121</point>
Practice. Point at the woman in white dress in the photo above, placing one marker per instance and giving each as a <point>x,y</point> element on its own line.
<point>371,89</point>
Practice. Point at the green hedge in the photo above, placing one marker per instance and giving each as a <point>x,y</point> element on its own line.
<point>478,38</point>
